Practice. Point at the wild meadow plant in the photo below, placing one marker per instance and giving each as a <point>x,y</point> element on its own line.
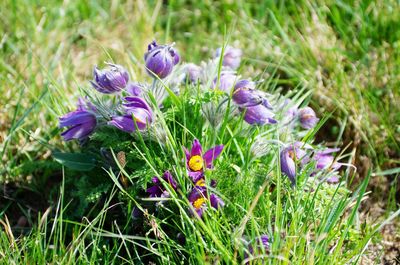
<point>204,166</point>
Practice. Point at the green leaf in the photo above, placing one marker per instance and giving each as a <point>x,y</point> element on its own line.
<point>75,161</point>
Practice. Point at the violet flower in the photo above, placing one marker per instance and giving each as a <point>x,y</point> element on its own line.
<point>231,58</point>
<point>193,72</point>
<point>245,95</point>
<point>307,118</point>
<point>198,199</point>
<point>110,80</point>
<point>137,114</point>
<point>196,160</point>
<point>134,89</point>
<point>81,122</point>
<point>226,82</point>
<point>158,190</point>
<point>259,115</point>
<point>291,157</point>
<point>160,59</point>
<point>326,161</point>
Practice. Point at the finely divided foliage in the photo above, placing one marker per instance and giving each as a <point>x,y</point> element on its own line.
<point>262,142</point>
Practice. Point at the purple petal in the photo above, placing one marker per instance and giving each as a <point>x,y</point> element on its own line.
<point>196,148</point>
<point>216,202</point>
<point>212,154</point>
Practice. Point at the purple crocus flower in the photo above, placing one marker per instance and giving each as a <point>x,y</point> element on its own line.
<point>160,59</point>
<point>198,198</point>
<point>193,72</point>
<point>231,58</point>
<point>137,114</point>
<point>258,114</point>
<point>81,122</point>
<point>245,95</point>
<point>290,156</point>
<point>196,160</point>
<point>110,80</point>
<point>158,190</point>
<point>134,89</point>
<point>307,118</point>
<point>324,159</point>
<point>226,82</point>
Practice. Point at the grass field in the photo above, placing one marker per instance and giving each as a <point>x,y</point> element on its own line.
<point>344,53</point>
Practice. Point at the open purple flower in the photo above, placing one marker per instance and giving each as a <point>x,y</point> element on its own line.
<point>226,82</point>
<point>137,115</point>
<point>158,190</point>
<point>196,160</point>
<point>231,58</point>
<point>198,198</point>
<point>307,117</point>
<point>326,161</point>
<point>245,95</point>
<point>110,80</point>
<point>291,157</point>
<point>160,59</point>
<point>134,89</point>
<point>259,115</point>
<point>81,122</point>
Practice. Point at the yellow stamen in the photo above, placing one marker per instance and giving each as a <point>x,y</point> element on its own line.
<point>200,183</point>
<point>199,202</point>
<point>196,163</point>
<point>291,154</point>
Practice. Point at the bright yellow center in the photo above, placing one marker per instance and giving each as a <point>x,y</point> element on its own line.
<point>199,202</point>
<point>200,183</point>
<point>196,163</point>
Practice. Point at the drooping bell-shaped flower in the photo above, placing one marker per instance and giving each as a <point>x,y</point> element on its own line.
<point>231,58</point>
<point>245,95</point>
<point>257,246</point>
<point>112,79</point>
<point>137,114</point>
<point>160,59</point>
<point>81,122</point>
<point>307,117</point>
<point>293,157</point>
<point>258,115</point>
<point>134,89</point>
<point>226,82</point>
<point>192,72</point>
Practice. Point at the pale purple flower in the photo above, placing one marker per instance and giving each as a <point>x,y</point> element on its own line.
<point>307,118</point>
<point>226,82</point>
<point>231,58</point>
<point>245,95</point>
<point>160,59</point>
<point>193,72</point>
<point>134,89</point>
<point>110,80</point>
<point>291,158</point>
<point>258,115</point>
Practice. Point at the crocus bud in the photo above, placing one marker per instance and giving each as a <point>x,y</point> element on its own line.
<point>226,82</point>
<point>134,89</point>
<point>231,58</point>
<point>137,115</point>
<point>245,95</point>
<point>290,156</point>
<point>192,72</point>
<point>110,80</point>
<point>307,118</point>
<point>81,123</point>
<point>259,115</point>
<point>160,59</point>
